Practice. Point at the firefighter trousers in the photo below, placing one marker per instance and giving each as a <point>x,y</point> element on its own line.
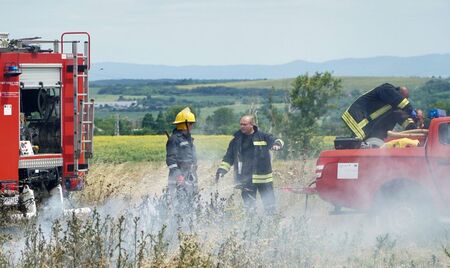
<point>248,193</point>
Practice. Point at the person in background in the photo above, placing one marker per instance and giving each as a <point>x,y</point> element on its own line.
<point>420,119</point>
<point>181,156</point>
<point>248,152</point>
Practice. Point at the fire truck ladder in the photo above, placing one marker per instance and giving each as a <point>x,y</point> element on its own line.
<point>83,107</point>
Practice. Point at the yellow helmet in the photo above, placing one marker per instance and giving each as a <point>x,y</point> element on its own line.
<point>184,116</point>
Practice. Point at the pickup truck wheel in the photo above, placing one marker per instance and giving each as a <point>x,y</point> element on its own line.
<point>404,211</point>
<point>398,217</point>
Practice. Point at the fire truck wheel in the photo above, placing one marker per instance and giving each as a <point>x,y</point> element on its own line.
<point>404,209</point>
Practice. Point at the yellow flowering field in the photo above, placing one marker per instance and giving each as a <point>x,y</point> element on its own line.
<point>120,149</point>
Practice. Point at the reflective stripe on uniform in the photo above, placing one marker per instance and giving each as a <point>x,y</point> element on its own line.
<point>380,111</point>
<point>256,178</point>
<point>183,143</point>
<point>225,165</point>
<point>403,103</point>
<point>280,141</point>
<point>352,127</point>
<point>363,123</point>
<point>173,166</point>
<point>351,123</point>
<point>259,143</point>
<point>407,122</point>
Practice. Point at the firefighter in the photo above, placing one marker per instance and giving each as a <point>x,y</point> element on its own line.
<point>181,156</point>
<point>248,152</point>
<point>378,111</point>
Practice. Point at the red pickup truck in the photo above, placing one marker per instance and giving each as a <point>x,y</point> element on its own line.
<point>396,181</point>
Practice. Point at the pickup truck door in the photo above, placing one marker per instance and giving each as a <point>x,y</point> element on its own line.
<point>439,159</point>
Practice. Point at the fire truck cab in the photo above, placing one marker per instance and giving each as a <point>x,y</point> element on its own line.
<point>46,116</point>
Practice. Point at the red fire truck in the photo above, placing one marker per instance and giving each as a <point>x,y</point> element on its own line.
<point>46,116</point>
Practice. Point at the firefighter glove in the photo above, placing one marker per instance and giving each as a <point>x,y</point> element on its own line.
<point>277,145</point>
<point>219,173</point>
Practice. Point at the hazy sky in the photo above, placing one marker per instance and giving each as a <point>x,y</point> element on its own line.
<point>213,32</point>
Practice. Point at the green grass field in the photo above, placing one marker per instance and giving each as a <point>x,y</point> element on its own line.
<point>238,108</point>
<point>124,114</point>
<point>93,91</point>
<point>367,83</point>
<point>348,83</point>
<point>276,83</point>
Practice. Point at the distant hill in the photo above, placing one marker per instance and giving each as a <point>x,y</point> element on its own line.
<point>422,66</point>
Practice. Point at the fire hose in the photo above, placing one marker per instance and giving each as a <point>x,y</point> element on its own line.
<point>307,191</point>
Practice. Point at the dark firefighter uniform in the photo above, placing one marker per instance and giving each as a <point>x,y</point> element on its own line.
<point>378,111</point>
<point>250,156</point>
<point>181,155</point>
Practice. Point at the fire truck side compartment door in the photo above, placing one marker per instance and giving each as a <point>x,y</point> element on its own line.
<point>9,134</point>
<point>40,75</point>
